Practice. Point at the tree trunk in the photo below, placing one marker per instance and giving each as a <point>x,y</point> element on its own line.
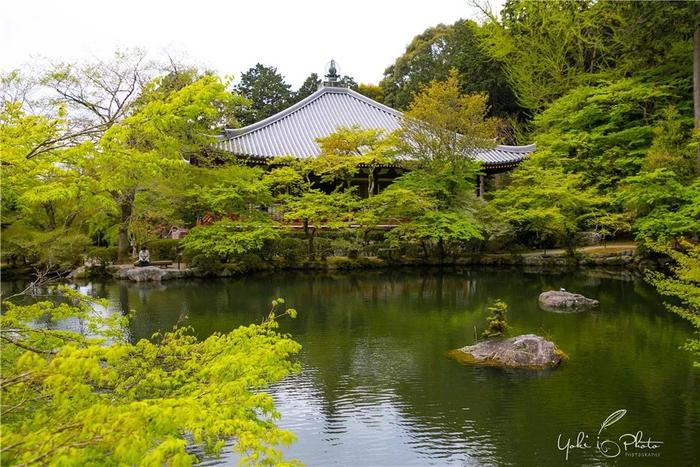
<point>51,215</point>
<point>370,183</point>
<point>126,206</point>
<point>309,239</point>
<point>312,253</point>
<point>696,76</point>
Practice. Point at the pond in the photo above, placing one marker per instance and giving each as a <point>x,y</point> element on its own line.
<point>377,388</point>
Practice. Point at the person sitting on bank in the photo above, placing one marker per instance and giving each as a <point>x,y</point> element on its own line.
<point>144,257</point>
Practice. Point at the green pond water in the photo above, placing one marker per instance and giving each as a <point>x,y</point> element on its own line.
<point>377,388</point>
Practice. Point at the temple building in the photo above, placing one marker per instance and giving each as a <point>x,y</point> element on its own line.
<point>294,131</point>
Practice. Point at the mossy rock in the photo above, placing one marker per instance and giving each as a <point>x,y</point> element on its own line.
<point>526,351</point>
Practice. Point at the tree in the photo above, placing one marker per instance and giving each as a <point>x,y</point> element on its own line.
<point>68,398</point>
<point>547,48</point>
<point>666,208</point>
<point>350,150</point>
<point>672,146</point>
<point>432,54</point>
<point>348,82</point>
<point>441,228</point>
<point>267,91</point>
<point>228,239</point>
<point>285,180</point>
<point>317,210</point>
<point>373,91</point>
<point>683,285</point>
<point>550,48</point>
<point>232,189</point>
<point>44,200</point>
<point>394,205</point>
<point>155,141</point>
<point>603,132</point>
<point>443,129</point>
<point>544,204</point>
<point>108,139</point>
<point>497,323</point>
<point>663,198</point>
<point>308,87</point>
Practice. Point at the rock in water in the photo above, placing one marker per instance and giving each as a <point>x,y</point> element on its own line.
<point>567,302</point>
<point>526,351</point>
<point>145,274</point>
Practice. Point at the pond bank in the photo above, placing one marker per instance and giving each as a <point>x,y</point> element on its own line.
<point>619,258</point>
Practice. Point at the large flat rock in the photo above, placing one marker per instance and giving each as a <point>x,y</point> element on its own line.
<point>144,274</point>
<point>526,351</point>
<point>565,302</point>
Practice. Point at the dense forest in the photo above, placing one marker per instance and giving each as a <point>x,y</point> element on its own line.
<point>100,158</point>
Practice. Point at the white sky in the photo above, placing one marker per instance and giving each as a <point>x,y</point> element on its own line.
<point>298,37</point>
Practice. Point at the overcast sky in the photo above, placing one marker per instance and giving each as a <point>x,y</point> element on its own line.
<point>298,37</point>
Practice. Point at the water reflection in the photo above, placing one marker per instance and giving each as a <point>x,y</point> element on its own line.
<point>377,389</point>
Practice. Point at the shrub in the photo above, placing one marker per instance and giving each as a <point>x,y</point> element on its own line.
<point>229,239</point>
<point>103,256</point>
<point>324,247</point>
<point>291,249</point>
<point>252,262</point>
<point>206,263</point>
<point>498,326</point>
<point>166,249</point>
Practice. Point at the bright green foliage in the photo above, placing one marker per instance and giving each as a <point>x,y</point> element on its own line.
<point>442,129</point>
<point>69,399</point>
<point>230,189</point>
<point>392,206</point>
<point>285,180</point>
<point>372,91</point>
<point>267,91</point>
<point>497,323</point>
<point>227,238</point>
<point>444,229</point>
<point>665,196</point>
<point>602,132</point>
<point>550,48</point>
<point>345,150</point>
<point>547,47</point>
<point>432,54</point>
<point>674,147</point>
<point>446,188</point>
<point>316,210</point>
<point>545,204</point>
<point>154,143</point>
<point>123,180</point>
<point>683,286</point>
<point>41,195</point>
<point>666,207</point>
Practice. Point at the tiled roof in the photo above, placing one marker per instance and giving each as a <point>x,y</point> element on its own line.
<point>293,131</point>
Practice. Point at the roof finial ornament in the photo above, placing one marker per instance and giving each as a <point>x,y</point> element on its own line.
<point>332,77</point>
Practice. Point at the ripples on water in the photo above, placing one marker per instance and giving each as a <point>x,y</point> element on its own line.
<point>377,389</point>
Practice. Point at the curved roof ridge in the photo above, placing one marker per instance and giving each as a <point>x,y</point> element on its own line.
<point>294,131</point>
<point>231,132</point>
<point>527,148</point>
<point>373,103</point>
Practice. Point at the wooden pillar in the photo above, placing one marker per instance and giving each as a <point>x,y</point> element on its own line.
<point>481,185</point>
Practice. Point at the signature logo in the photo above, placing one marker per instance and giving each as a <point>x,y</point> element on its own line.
<point>628,444</point>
